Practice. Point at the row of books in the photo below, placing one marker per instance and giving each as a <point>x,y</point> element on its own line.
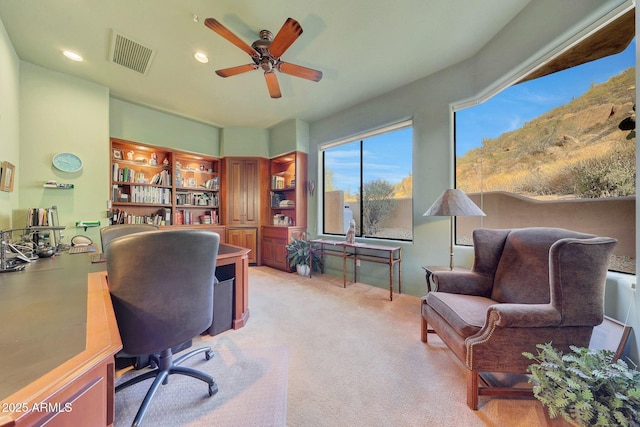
<point>277,182</point>
<point>126,174</point>
<point>197,199</point>
<point>161,178</point>
<point>120,216</point>
<point>154,195</point>
<point>187,217</point>
<point>39,217</point>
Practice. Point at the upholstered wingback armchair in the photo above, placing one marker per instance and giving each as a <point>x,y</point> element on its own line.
<point>527,286</point>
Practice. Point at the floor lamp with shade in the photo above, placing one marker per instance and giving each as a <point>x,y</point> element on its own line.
<point>453,202</point>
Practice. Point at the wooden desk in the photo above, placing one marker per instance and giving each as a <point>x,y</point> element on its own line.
<point>391,255</point>
<point>238,258</point>
<point>57,356</point>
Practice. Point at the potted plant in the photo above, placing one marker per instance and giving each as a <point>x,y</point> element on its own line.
<point>586,387</point>
<point>299,255</point>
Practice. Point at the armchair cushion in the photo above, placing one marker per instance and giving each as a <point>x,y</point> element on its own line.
<point>465,314</point>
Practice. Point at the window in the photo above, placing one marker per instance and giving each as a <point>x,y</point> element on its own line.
<point>557,150</point>
<point>369,179</point>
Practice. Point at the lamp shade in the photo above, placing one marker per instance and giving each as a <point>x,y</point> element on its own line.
<point>454,202</point>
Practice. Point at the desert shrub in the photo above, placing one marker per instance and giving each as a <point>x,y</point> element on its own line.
<point>612,175</point>
<point>377,204</point>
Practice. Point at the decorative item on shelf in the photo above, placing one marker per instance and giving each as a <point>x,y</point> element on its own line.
<point>54,184</point>
<point>154,159</point>
<point>117,154</point>
<point>299,254</point>
<point>453,202</point>
<point>165,162</point>
<point>87,224</point>
<point>130,155</point>
<point>586,387</point>
<point>287,203</point>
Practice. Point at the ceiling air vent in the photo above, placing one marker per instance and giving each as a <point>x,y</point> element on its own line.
<point>130,54</point>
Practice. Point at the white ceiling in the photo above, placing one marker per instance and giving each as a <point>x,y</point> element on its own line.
<point>364,48</point>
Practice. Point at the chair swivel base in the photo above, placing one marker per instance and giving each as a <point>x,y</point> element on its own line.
<point>167,366</point>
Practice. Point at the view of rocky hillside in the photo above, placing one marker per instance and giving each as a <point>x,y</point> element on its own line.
<point>576,150</point>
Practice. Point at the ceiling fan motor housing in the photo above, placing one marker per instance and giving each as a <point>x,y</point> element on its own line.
<point>265,61</point>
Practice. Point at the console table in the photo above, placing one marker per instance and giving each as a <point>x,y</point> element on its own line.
<point>390,255</point>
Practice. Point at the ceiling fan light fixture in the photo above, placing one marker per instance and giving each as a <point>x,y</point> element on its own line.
<point>201,57</point>
<point>72,56</point>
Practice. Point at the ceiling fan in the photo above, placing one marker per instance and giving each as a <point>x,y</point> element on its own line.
<point>266,53</point>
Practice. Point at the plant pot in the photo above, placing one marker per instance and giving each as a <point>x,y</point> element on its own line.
<point>303,270</point>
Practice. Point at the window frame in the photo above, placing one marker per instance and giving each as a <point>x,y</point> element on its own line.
<point>361,139</point>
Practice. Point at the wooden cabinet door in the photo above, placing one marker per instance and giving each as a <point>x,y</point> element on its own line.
<point>280,255</point>
<point>252,192</point>
<point>244,192</point>
<point>235,199</point>
<point>268,255</point>
<point>245,238</point>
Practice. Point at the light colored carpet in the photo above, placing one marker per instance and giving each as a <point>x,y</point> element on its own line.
<point>355,359</point>
<point>252,391</point>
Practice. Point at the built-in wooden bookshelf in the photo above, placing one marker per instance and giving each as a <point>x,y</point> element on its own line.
<point>288,207</point>
<point>197,189</point>
<point>162,186</point>
<point>288,199</point>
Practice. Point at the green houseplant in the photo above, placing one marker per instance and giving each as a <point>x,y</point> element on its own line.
<point>299,255</point>
<point>586,387</point>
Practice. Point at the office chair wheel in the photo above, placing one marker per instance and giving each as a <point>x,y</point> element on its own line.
<point>213,389</point>
<point>208,354</point>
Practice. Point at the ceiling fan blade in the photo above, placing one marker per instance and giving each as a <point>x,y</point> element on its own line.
<point>289,33</point>
<point>224,32</point>
<point>299,71</point>
<point>228,72</point>
<point>272,84</point>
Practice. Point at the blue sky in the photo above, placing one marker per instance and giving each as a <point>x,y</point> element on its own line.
<point>513,107</point>
<point>389,156</point>
<point>386,156</point>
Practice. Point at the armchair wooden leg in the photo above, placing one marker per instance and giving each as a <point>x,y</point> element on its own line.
<point>424,329</point>
<point>472,389</point>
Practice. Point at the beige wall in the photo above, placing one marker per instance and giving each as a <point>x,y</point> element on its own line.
<point>9,122</point>
<point>613,217</point>
<point>63,113</point>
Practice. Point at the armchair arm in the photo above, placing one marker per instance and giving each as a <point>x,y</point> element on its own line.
<point>462,282</point>
<point>524,315</point>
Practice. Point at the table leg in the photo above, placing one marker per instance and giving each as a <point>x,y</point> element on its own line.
<point>344,268</point>
<point>390,275</point>
<point>400,270</point>
<point>355,266</point>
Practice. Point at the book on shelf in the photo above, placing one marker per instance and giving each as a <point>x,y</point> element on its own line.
<point>277,182</point>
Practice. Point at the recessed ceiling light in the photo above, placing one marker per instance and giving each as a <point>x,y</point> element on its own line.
<point>72,55</point>
<point>201,57</point>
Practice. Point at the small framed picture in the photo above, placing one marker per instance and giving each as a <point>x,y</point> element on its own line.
<point>6,176</point>
<point>117,154</point>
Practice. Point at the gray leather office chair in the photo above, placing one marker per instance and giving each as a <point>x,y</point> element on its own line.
<point>111,232</point>
<point>161,285</point>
